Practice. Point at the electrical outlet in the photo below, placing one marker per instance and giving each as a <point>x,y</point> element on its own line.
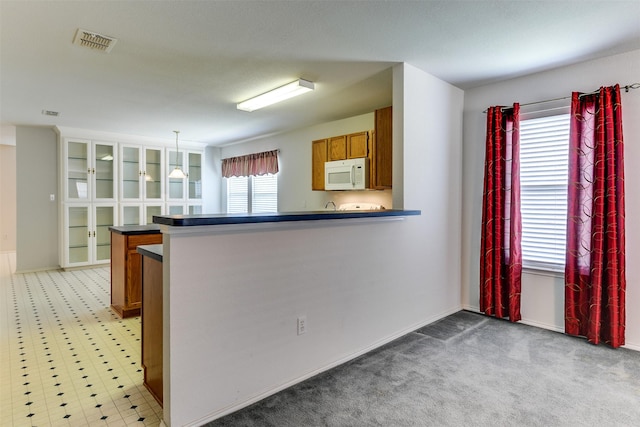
<point>302,325</point>
<point>52,197</point>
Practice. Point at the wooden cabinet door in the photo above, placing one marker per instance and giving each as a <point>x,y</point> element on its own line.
<point>337,148</point>
<point>318,157</point>
<point>382,159</point>
<point>357,145</point>
<point>151,328</point>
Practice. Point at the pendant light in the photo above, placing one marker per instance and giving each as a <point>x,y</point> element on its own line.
<point>177,173</point>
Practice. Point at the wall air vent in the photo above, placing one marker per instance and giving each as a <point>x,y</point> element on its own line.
<point>94,41</point>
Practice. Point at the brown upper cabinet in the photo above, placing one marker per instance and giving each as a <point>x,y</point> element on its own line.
<point>352,146</point>
<point>358,145</point>
<point>337,148</point>
<point>319,157</point>
<point>382,150</point>
<point>375,145</point>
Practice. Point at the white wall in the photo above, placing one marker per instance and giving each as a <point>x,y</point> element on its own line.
<point>232,298</point>
<point>8,188</point>
<point>294,178</point>
<point>543,296</point>
<point>37,178</point>
<point>211,188</point>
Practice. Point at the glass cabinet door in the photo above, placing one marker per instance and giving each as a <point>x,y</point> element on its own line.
<point>176,209</point>
<point>104,218</point>
<point>78,170</point>
<point>130,214</point>
<point>195,209</point>
<point>176,185</point>
<point>150,211</point>
<point>104,171</point>
<point>131,173</point>
<point>195,176</point>
<point>153,173</point>
<point>78,235</point>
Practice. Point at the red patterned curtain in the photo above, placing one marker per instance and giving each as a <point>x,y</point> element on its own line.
<point>501,254</point>
<point>595,281</point>
<point>251,164</point>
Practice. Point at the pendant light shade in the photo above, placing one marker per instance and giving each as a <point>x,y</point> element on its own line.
<point>177,173</point>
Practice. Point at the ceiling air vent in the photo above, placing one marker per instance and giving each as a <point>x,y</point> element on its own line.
<point>94,41</point>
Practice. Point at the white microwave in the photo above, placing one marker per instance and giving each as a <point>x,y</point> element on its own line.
<point>352,174</point>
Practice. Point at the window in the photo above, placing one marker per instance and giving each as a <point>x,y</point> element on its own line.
<point>544,145</point>
<point>251,194</point>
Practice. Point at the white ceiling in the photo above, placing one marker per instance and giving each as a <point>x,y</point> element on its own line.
<point>183,65</point>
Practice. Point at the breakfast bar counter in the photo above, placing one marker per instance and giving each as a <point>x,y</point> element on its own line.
<point>235,289</point>
<point>254,218</point>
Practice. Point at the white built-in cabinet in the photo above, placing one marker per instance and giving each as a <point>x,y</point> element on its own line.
<point>87,236</point>
<point>110,183</point>
<point>142,178</point>
<point>184,196</point>
<point>139,214</point>
<point>91,171</point>
<point>89,185</point>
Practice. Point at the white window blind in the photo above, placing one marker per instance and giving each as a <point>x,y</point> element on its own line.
<point>265,193</point>
<point>237,194</point>
<point>544,145</point>
<point>248,194</point>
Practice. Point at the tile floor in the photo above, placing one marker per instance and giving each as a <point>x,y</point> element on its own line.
<point>65,358</point>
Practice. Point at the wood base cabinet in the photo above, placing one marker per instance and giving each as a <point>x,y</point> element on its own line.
<point>126,283</point>
<point>152,321</point>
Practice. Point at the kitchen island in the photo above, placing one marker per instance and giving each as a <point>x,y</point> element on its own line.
<point>126,284</point>
<point>236,288</point>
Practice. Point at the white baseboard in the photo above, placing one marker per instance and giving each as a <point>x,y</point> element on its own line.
<point>230,409</point>
<point>630,346</point>
<point>542,325</point>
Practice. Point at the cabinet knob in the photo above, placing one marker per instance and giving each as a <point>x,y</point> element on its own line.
<point>94,234</point>
<point>89,170</point>
<point>93,171</point>
<point>139,173</point>
<point>89,233</point>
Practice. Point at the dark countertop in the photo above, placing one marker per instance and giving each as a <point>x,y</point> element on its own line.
<point>136,229</point>
<point>219,219</point>
<point>151,251</point>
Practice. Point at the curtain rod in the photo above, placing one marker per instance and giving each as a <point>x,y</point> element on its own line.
<point>626,89</point>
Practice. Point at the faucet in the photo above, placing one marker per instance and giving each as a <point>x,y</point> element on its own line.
<point>330,202</point>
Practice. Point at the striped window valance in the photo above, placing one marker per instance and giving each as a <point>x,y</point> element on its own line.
<point>252,164</point>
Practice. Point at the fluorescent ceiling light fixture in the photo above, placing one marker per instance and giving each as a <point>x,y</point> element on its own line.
<point>287,91</point>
